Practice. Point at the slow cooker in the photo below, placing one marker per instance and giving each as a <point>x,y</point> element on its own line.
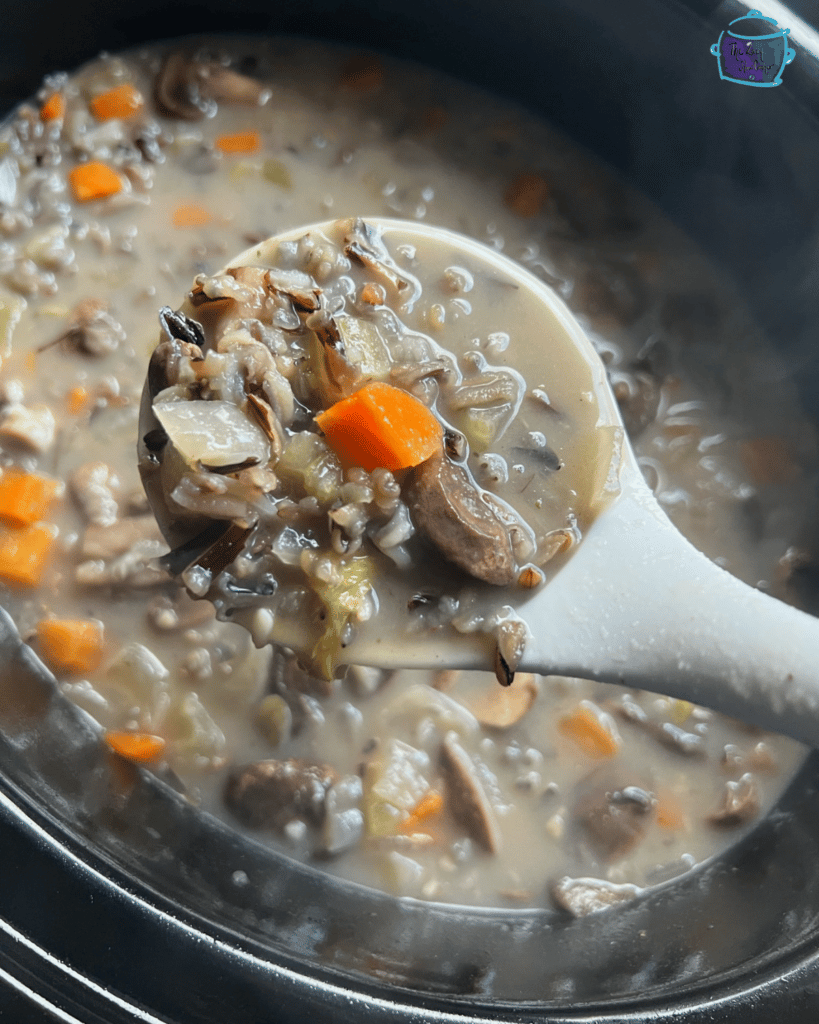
<point>122,904</point>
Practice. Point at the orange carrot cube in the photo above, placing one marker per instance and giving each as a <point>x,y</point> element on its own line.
<point>25,497</point>
<point>140,747</point>
<point>239,142</point>
<point>381,426</point>
<point>72,646</point>
<point>94,180</point>
<point>24,552</point>
<point>121,101</point>
<point>53,108</point>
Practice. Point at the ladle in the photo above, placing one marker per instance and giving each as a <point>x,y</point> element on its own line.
<point>636,604</point>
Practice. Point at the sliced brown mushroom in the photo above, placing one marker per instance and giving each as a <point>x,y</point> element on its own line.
<point>268,794</point>
<point>740,803</point>
<point>363,245</point>
<point>185,87</point>
<point>467,797</point>
<point>501,708</point>
<point>449,510</point>
<point>582,896</point>
<point>92,330</point>
<point>413,377</point>
<point>262,412</point>
<point>208,308</point>
<point>612,812</point>
<point>335,376</point>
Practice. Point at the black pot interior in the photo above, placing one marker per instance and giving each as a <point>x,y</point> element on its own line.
<point>737,168</point>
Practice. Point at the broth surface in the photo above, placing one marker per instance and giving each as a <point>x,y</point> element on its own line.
<point>422,784</point>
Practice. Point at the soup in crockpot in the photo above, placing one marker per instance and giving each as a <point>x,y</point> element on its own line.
<point>128,185</point>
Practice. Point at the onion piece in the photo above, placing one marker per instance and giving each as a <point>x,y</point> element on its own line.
<point>214,433</point>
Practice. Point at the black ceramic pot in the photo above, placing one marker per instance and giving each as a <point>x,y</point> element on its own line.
<point>119,903</point>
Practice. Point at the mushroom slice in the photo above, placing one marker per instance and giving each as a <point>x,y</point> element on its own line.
<point>92,330</point>
<point>450,511</point>
<point>266,418</point>
<point>740,803</point>
<point>612,813</point>
<point>334,375</point>
<point>364,246</point>
<point>184,86</point>
<point>165,362</point>
<point>268,794</point>
<point>213,306</point>
<point>582,896</point>
<point>296,286</point>
<point>467,797</point>
<point>500,709</point>
<point>415,377</point>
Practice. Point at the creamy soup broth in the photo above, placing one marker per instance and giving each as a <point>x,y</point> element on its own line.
<point>428,785</point>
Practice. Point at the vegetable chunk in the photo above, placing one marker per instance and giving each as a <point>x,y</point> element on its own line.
<point>381,426</point>
<point>121,101</point>
<point>25,498</point>
<point>73,646</point>
<point>140,747</point>
<point>23,554</point>
<point>94,180</point>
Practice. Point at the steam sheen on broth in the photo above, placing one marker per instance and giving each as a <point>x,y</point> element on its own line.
<point>122,184</point>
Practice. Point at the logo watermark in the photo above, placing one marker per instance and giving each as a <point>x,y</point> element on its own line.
<point>753,50</point>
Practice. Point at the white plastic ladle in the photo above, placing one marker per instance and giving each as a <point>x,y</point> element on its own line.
<point>636,604</point>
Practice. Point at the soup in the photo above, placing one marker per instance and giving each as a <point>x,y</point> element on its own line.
<point>128,181</point>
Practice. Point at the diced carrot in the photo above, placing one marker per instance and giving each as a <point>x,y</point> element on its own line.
<point>381,426</point>
<point>94,180</point>
<point>25,497</point>
<point>76,399</point>
<point>239,142</point>
<point>585,729</point>
<point>669,812</point>
<point>121,101</point>
<point>141,747</point>
<point>72,646</point>
<point>53,108</point>
<point>429,805</point>
<point>23,553</point>
<point>190,215</point>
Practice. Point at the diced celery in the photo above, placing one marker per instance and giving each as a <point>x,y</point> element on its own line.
<point>393,786</point>
<point>344,599</point>
<point>308,459</point>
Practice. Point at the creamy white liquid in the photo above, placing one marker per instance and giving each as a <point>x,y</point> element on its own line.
<point>398,141</point>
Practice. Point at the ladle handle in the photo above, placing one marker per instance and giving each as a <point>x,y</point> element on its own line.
<point>638,605</point>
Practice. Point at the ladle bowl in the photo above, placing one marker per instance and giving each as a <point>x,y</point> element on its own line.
<point>634,603</point>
